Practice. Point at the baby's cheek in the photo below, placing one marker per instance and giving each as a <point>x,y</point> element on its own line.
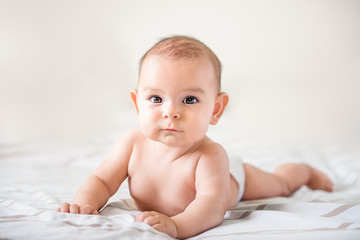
<point>200,127</point>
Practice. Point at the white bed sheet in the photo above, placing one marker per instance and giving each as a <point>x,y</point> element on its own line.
<point>34,182</point>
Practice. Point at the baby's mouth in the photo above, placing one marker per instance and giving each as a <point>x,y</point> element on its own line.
<point>171,130</point>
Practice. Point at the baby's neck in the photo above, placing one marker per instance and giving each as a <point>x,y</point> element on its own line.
<point>176,152</point>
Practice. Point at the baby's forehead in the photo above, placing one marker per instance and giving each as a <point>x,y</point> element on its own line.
<point>201,61</point>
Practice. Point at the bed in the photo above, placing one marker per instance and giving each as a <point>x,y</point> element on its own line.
<point>36,179</point>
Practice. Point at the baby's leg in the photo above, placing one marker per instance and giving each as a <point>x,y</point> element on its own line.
<point>283,182</point>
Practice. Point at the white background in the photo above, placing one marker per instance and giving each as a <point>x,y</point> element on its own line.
<point>291,68</point>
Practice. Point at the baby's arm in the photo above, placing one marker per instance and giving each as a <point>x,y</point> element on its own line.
<point>212,195</point>
<point>104,181</point>
<point>210,204</point>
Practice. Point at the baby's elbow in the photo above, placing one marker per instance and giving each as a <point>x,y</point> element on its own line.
<point>220,213</point>
<point>217,220</point>
<point>220,219</point>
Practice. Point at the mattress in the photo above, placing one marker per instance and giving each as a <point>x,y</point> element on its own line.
<point>36,179</point>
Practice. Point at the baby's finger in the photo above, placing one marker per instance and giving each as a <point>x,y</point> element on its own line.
<point>152,220</point>
<point>74,208</point>
<point>142,216</point>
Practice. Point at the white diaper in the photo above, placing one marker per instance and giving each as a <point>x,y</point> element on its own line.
<point>237,170</point>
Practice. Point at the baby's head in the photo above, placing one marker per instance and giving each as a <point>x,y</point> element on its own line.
<point>178,93</point>
<point>185,48</point>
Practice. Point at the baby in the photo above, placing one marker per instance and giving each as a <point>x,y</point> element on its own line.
<point>178,177</point>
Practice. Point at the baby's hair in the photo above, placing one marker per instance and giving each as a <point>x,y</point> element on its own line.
<point>187,48</point>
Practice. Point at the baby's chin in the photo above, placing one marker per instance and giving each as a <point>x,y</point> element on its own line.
<point>173,138</point>
<point>172,141</point>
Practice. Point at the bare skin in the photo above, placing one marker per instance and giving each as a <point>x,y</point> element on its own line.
<point>176,101</point>
<point>285,180</point>
<point>181,203</point>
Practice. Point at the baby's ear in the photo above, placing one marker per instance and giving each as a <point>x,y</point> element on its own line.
<point>221,101</point>
<point>133,95</point>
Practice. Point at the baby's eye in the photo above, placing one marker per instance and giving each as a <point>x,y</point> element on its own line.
<point>156,99</point>
<point>190,100</point>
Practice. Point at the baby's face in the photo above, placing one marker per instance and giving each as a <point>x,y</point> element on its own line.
<point>176,99</point>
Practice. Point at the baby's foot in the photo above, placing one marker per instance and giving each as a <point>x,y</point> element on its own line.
<point>319,180</point>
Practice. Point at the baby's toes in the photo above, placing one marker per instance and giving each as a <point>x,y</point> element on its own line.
<point>329,186</point>
<point>64,208</point>
<point>74,208</point>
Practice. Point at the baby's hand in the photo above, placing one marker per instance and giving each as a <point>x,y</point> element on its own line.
<point>158,221</point>
<point>75,208</point>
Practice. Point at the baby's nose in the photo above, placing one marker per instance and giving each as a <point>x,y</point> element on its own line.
<point>171,111</point>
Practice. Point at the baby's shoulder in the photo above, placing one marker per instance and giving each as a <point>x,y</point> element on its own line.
<point>128,139</point>
<point>214,159</point>
<point>211,149</point>
<point>133,134</point>
<point>130,136</point>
